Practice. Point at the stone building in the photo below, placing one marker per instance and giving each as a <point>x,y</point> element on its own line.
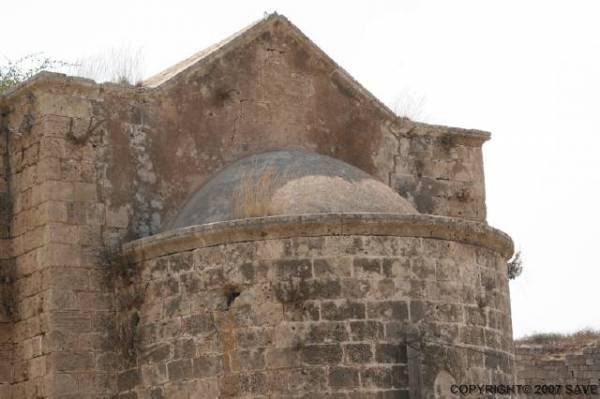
<point>249,223</point>
<point>560,361</point>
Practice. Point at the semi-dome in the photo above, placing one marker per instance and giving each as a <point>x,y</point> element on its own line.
<point>290,182</point>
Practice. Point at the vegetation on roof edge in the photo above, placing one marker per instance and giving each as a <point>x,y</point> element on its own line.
<point>554,337</point>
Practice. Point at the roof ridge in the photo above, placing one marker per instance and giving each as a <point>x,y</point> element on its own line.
<point>166,75</point>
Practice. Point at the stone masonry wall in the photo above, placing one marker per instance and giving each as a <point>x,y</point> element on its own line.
<point>439,172</point>
<point>145,159</point>
<point>270,89</point>
<point>273,89</point>
<point>316,317</point>
<point>93,166</point>
<point>545,364</point>
<point>23,300</point>
<point>86,167</point>
<point>62,312</point>
<point>6,267</point>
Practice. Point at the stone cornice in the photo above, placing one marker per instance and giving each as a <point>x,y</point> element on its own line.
<point>315,225</point>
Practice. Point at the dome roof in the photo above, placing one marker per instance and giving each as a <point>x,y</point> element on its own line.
<point>290,182</point>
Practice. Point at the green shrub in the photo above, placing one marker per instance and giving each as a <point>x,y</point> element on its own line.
<point>13,72</point>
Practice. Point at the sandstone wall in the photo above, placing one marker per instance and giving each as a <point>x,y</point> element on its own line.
<point>270,89</point>
<point>24,289</point>
<point>92,166</point>
<point>316,317</point>
<point>273,89</point>
<point>147,151</point>
<point>550,363</point>
<point>60,304</point>
<point>6,267</point>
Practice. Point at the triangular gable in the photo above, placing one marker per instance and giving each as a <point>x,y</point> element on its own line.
<point>206,57</point>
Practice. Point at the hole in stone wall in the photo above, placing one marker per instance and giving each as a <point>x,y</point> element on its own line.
<point>230,296</point>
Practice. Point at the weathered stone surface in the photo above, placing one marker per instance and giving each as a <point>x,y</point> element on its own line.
<point>360,344</point>
<point>559,361</point>
<point>290,182</point>
<point>319,306</point>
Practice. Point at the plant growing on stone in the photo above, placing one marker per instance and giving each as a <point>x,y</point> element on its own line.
<point>13,72</point>
<point>7,298</point>
<point>122,64</point>
<point>252,196</point>
<point>409,104</point>
<point>116,265</point>
<point>565,338</point>
<point>515,266</point>
<point>118,65</point>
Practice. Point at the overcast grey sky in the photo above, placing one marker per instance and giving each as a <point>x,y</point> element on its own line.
<point>527,71</point>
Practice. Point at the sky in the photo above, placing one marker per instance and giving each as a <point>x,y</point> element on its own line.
<point>526,71</point>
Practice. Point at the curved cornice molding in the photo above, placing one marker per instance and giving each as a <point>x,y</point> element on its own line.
<point>317,225</point>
